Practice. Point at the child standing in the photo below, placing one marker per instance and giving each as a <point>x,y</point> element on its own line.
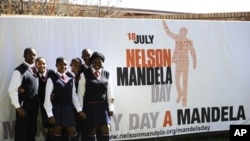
<point>43,74</point>
<point>25,102</point>
<point>61,111</point>
<point>95,94</point>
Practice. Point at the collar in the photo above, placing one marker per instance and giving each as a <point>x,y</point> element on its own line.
<point>28,65</point>
<point>93,70</point>
<point>44,74</point>
<point>60,74</point>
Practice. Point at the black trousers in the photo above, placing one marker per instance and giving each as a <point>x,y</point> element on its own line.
<point>26,127</point>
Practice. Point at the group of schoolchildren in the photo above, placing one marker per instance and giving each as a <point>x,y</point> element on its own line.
<point>75,104</point>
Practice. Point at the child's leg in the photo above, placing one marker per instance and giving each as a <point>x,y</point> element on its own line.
<point>92,134</point>
<point>72,133</point>
<point>105,129</point>
<point>57,133</point>
<point>50,135</point>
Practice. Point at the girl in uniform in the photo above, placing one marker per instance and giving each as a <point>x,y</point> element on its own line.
<point>95,94</point>
<point>61,110</point>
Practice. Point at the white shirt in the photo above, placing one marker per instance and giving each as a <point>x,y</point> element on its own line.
<point>48,91</point>
<point>82,89</point>
<point>43,74</point>
<point>16,82</point>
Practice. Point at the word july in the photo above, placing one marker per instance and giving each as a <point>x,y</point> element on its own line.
<point>141,39</point>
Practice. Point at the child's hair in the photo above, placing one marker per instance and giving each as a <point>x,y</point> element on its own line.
<point>77,60</point>
<point>97,55</point>
<point>39,58</point>
<point>59,59</point>
<point>27,50</point>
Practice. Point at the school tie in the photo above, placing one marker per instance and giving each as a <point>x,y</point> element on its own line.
<point>33,70</point>
<point>97,74</point>
<point>63,77</point>
<point>42,77</point>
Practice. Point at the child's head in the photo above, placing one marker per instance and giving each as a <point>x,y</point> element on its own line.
<point>40,64</point>
<point>29,55</point>
<point>97,60</point>
<point>75,65</point>
<point>61,64</point>
<point>86,54</point>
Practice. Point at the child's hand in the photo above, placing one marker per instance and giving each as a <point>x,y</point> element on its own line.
<point>82,115</point>
<point>20,90</point>
<point>111,113</point>
<point>52,120</point>
<point>52,97</point>
<point>21,112</point>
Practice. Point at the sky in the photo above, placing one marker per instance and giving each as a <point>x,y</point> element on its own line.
<point>187,6</point>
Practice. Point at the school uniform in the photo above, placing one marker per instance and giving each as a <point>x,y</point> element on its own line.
<point>95,95</point>
<point>84,67</point>
<point>25,76</point>
<point>41,93</point>
<point>83,122</point>
<point>78,120</point>
<point>65,100</point>
<point>74,76</point>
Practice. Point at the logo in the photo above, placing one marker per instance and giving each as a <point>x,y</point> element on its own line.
<point>239,132</point>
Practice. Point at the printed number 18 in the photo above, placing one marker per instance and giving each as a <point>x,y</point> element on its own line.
<point>131,36</point>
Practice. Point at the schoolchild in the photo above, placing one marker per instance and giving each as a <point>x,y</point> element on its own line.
<point>95,94</point>
<point>25,102</point>
<point>61,111</point>
<point>43,74</point>
<point>86,54</point>
<point>74,72</point>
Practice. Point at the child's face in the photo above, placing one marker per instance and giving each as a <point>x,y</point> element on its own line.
<point>30,56</point>
<point>75,66</point>
<point>62,66</point>
<point>85,56</point>
<point>97,63</point>
<point>41,65</point>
